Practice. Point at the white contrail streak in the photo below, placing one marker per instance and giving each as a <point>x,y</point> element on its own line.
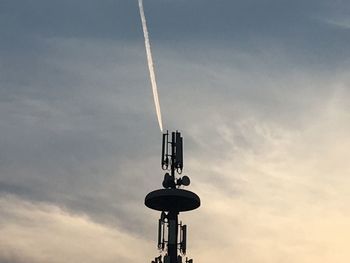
<point>150,65</point>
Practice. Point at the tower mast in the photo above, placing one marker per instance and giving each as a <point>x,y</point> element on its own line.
<point>171,200</point>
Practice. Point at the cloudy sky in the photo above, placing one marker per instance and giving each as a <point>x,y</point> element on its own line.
<point>259,88</point>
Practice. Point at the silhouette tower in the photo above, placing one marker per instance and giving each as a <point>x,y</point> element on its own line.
<point>171,200</point>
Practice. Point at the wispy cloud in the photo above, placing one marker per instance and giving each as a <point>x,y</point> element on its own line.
<point>284,198</point>
<point>342,23</point>
<point>40,232</point>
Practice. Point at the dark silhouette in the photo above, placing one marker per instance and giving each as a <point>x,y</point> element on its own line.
<point>171,201</point>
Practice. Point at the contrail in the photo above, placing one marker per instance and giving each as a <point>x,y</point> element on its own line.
<point>150,65</point>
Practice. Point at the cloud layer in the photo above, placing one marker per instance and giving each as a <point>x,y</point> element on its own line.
<point>259,90</point>
<point>39,232</point>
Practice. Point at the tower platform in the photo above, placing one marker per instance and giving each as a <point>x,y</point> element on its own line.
<point>178,200</point>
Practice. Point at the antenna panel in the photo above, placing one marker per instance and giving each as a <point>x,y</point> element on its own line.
<point>165,144</point>
<point>179,152</point>
<point>183,240</point>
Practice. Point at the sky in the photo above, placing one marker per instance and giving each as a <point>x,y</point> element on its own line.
<point>260,90</point>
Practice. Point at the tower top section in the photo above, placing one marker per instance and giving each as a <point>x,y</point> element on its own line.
<point>172,160</point>
<point>172,198</point>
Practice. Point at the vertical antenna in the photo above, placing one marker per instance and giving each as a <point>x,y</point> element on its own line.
<point>160,228</point>
<point>173,146</point>
<point>161,231</point>
<point>163,150</point>
<point>179,153</point>
<point>165,145</point>
<point>183,240</point>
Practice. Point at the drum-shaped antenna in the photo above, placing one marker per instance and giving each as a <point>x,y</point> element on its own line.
<point>185,180</point>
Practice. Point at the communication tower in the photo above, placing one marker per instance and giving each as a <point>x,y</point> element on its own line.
<point>171,200</point>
